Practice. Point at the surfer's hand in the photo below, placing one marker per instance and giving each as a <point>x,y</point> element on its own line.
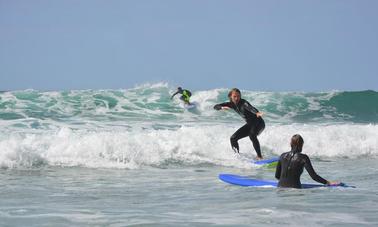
<point>333,183</point>
<point>225,108</point>
<point>259,114</point>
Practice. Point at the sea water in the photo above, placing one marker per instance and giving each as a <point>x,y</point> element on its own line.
<point>133,157</point>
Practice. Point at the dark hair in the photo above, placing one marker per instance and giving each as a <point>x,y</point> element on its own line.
<point>296,143</point>
<point>233,90</point>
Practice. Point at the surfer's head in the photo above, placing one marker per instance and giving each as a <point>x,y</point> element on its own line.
<point>179,89</point>
<point>296,143</point>
<point>234,95</point>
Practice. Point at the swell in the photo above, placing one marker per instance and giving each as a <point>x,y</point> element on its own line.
<point>153,103</point>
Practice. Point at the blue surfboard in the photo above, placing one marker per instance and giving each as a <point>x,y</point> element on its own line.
<point>250,182</point>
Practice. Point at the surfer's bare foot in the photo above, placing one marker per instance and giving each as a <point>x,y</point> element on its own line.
<point>235,150</point>
<point>259,158</point>
<point>333,183</point>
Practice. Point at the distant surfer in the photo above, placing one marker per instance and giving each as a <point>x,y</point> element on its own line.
<point>254,126</point>
<point>290,166</point>
<point>185,95</point>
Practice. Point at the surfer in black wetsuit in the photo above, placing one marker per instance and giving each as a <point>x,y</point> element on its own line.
<point>290,166</point>
<point>254,126</point>
<point>185,95</point>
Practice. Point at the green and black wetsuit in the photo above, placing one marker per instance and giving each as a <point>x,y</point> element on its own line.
<point>290,167</point>
<point>254,126</point>
<point>185,95</point>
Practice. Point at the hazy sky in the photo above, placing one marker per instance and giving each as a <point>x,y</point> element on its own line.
<point>267,45</point>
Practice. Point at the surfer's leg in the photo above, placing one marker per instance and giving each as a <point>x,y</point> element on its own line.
<point>240,133</point>
<point>256,144</point>
<point>255,131</point>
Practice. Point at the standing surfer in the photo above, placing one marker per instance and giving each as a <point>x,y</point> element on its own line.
<point>254,122</point>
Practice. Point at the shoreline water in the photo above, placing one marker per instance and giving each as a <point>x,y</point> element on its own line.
<point>183,196</point>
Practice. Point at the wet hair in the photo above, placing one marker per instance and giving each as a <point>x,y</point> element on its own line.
<point>179,88</point>
<point>296,143</point>
<point>233,90</point>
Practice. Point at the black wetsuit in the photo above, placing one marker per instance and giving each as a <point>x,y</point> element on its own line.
<point>254,126</point>
<point>290,167</point>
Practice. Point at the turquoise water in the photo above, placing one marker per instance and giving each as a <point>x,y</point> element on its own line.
<point>134,157</point>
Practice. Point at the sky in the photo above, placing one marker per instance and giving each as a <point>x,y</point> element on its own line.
<point>255,45</point>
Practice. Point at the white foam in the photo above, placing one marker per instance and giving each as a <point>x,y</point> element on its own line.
<point>188,145</point>
<point>344,140</point>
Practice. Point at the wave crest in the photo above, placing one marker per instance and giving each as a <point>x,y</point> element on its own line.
<point>184,146</point>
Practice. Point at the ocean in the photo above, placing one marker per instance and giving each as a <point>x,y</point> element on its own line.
<point>134,157</point>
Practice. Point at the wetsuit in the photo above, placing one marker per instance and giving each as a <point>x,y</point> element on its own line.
<point>290,167</point>
<point>185,95</point>
<point>254,126</point>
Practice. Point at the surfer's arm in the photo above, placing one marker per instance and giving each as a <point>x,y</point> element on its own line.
<point>174,94</point>
<point>252,109</point>
<point>225,105</point>
<point>278,170</point>
<point>312,172</point>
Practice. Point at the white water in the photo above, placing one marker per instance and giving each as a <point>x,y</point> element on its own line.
<point>186,145</point>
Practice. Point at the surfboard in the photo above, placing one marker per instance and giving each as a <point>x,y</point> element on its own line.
<point>189,106</point>
<point>250,182</point>
<point>266,161</point>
